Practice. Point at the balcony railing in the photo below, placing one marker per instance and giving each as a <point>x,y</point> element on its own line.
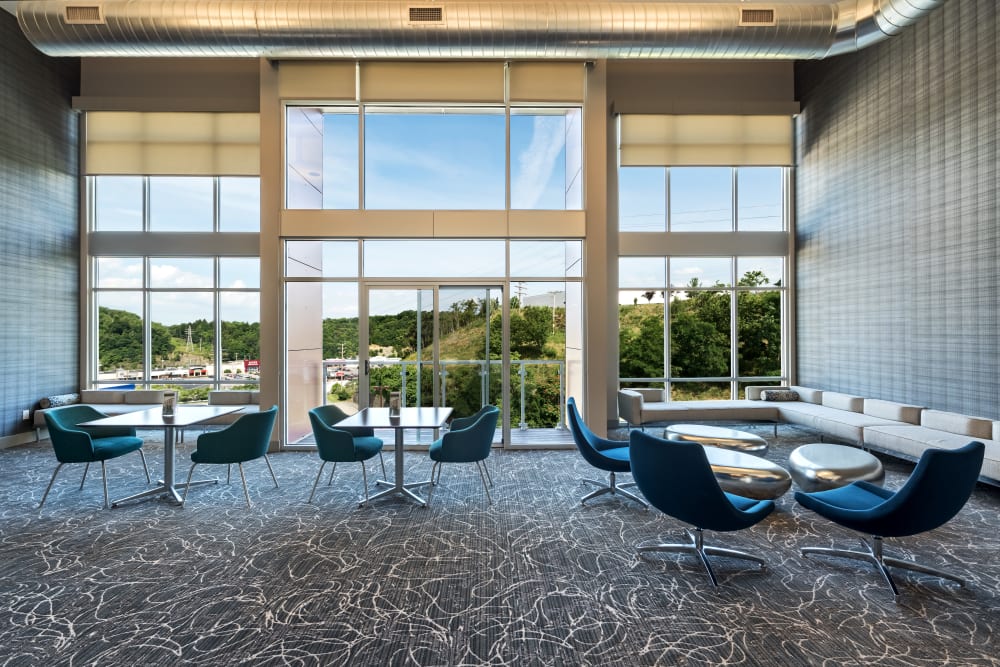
<point>412,394</point>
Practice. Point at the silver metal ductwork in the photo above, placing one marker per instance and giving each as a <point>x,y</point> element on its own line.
<point>499,29</point>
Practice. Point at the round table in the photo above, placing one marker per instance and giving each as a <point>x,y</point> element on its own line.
<point>748,475</point>
<point>820,466</point>
<point>717,436</point>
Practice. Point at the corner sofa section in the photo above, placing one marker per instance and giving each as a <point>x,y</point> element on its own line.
<point>898,429</point>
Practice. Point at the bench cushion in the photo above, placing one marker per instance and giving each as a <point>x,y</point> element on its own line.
<point>102,396</point>
<point>976,427</point>
<point>909,414</point>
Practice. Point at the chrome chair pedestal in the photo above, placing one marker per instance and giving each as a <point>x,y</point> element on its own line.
<point>697,546</point>
<point>874,555</point>
<point>613,488</point>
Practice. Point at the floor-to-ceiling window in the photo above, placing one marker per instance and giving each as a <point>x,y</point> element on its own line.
<point>191,321</point>
<point>703,268</point>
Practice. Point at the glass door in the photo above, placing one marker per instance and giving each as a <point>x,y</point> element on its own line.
<point>437,345</point>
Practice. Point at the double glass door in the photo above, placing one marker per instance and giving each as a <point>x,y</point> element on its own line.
<point>432,345</point>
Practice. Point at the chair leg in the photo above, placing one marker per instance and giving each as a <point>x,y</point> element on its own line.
<point>104,479</point>
<point>364,477</point>
<point>382,461</point>
<point>49,487</point>
<point>229,469</point>
<point>480,465</point>
<point>333,470</point>
<point>697,547</point>
<point>318,475</point>
<point>84,478</point>
<point>268,462</point>
<point>246,493</point>
<point>430,487</point>
<point>148,480</point>
<point>187,487</point>
<point>487,469</point>
<point>873,554</point>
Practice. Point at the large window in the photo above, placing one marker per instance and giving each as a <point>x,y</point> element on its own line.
<point>188,321</point>
<point>704,327</point>
<point>701,199</point>
<point>433,158</point>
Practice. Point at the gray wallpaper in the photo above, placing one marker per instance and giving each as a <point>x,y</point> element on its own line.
<point>39,237</point>
<point>898,283</point>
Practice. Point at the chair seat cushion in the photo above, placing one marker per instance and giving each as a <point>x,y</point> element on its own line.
<point>367,447</point>
<point>856,497</point>
<point>109,448</point>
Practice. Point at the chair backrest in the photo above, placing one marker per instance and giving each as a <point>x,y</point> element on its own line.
<point>462,422</point>
<point>245,439</point>
<point>71,443</point>
<point>332,414</point>
<point>589,443</point>
<point>936,491</point>
<point>334,444</point>
<point>473,442</point>
<point>676,478</point>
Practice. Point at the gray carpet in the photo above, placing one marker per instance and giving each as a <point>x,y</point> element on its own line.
<point>534,579</point>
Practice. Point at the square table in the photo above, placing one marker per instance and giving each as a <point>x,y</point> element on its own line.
<point>184,415</point>
<point>408,418</point>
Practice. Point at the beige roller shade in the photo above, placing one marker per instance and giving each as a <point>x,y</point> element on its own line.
<point>659,140</point>
<point>173,144</point>
<point>547,82</point>
<point>432,82</point>
<point>317,80</point>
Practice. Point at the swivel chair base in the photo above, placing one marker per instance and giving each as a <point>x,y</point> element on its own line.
<point>613,488</point>
<point>873,555</point>
<point>697,546</point>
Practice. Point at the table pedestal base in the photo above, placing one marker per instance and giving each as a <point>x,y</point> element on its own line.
<point>170,492</point>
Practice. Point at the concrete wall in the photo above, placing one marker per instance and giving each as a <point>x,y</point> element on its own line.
<point>39,235</point>
<point>898,239</point>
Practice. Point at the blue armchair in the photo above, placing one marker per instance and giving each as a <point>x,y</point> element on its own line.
<point>244,440</point>
<point>611,456</point>
<point>677,479</point>
<point>342,445</point>
<point>470,444</point>
<point>936,491</point>
<point>87,444</point>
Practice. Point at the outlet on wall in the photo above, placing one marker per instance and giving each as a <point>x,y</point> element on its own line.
<point>26,415</point>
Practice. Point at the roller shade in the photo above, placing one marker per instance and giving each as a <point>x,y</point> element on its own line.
<point>662,140</point>
<point>173,144</point>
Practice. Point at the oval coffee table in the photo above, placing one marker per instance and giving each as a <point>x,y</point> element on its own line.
<point>716,436</point>
<point>820,466</point>
<point>748,475</point>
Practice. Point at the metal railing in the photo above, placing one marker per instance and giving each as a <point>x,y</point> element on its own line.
<point>415,397</point>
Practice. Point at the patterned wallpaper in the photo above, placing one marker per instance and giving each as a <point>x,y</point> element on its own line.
<point>39,236</point>
<point>898,235</point>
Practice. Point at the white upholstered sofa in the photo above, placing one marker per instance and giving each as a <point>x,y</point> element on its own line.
<point>895,428</point>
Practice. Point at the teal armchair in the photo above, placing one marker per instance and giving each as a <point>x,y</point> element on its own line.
<point>244,440</point>
<point>79,444</point>
<point>470,444</point>
<point>337,445</point>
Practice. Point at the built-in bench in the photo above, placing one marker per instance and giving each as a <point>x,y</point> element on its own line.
<point>894,428</point>
<point>119,401</point>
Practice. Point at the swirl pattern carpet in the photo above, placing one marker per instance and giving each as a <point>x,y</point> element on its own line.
<point>534,579</point>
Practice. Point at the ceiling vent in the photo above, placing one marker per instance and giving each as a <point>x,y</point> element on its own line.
<point>425,15</point>
<point>83,15</point>
<point>757,17</point>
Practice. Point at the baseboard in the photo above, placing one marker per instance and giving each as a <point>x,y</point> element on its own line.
<point>9,441</point>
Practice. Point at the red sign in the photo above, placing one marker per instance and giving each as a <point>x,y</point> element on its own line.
<point>251,365</point>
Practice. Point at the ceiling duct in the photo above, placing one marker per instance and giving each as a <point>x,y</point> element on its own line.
<point>500,29</point>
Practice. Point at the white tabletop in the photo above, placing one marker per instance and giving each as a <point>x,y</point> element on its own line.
<point>184,415</point>
<point>408,418</point>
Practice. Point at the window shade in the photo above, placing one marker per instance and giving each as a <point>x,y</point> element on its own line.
<point>173,144</point>
<point>661,140</point>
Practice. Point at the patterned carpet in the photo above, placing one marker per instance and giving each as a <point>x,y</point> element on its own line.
<point>534,579</point>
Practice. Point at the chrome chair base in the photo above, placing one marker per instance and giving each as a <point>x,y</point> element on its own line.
<point>614,488</point>
<point>364,475</point>
<point>104,477</point>
<point>873,554</point>
<point>697,546</point>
